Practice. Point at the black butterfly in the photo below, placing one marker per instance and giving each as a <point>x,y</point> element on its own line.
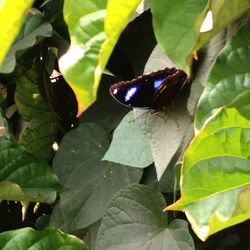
<point>155,91</point>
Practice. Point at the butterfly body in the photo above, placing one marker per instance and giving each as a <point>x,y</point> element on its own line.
<point>155,91</point>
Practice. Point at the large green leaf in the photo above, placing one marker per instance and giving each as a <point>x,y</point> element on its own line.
<point>177,25</point>
<point>91,183</point>
<point>129,145</point>
<point>223,13</point>
<point>134,220</point>
<point>40,126</point>
<point>215,175</point>
<point>24,177</point>
<point>12,14</point>
<point>174,24</point>
<point>33,28</point>
<point>229,77</point>
<point>166,132</point>
<point>92,42</point>
<point>27,238</point>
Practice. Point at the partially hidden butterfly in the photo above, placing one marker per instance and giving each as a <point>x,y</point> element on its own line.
<point>155,91</point>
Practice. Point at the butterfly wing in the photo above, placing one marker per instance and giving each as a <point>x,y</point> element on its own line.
<point>172,87</point>
<point>149,91</point>
<point>136,94</point>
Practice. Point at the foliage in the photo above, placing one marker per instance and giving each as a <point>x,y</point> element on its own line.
<point>28,238</point>
<point>74,160</point>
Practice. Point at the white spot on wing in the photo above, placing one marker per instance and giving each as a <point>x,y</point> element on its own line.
<point>130,93</point>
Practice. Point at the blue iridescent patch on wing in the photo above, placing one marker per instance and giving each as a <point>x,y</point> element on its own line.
<point>131,92</point>
<point>158,82</point>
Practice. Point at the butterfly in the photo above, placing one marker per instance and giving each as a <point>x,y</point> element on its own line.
<point>156,90</point>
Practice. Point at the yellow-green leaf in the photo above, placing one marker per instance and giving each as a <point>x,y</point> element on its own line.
<point>92,42</point>
<point>215,173</point>
<point>12,14</point>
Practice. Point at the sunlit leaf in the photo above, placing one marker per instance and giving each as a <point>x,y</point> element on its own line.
<point>12,14</point>
<point>92,42</point>
<point>215,173</point>
<point>174,25</point>
<point>177,25</point>
<point>229,77</point>
<point>223,13</point>
<point>33,28</point>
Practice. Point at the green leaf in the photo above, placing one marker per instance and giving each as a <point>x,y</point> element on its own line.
<point>174,25</point>
<point>24,177</point>
<point>229,77</point>
<point>223,13</point>
<point>33,28</point>
<point>134,220</point>
<point>12,14</point>
<point>221,211</point>
<point>118,16</point>
<point>92,42</point>
<point>215,173</point>
<point>28,98</point>
<point>27,238</point>
<point>166,133</point>
<point>39,135</point>
<point>177,25</point>
<point>91,182</point>
<point>129,145</point>
<point>85,20</point>
<point>40,127</point>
